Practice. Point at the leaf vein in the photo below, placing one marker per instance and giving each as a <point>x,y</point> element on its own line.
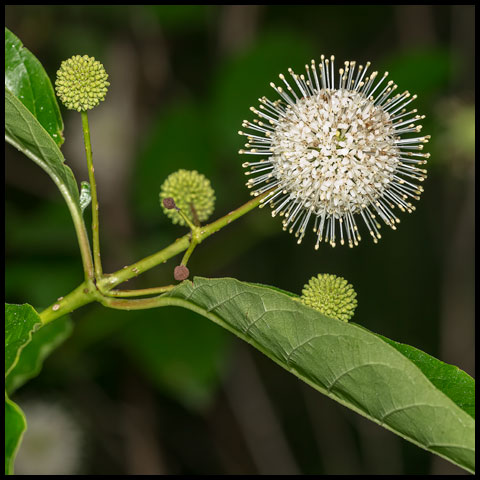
<point>356,367</point>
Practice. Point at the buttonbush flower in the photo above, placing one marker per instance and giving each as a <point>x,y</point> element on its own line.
<point>81,83</point>
<point>331,295</point>
<point>191,192</point>
<point>337,148</point>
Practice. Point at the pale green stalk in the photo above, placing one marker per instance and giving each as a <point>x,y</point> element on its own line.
<point>93,188</point>
<point>140,292</point>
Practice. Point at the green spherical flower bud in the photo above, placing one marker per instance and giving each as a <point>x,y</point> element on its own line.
<point>192,194</point>
<point>81,83</point>
<point>331,295</point>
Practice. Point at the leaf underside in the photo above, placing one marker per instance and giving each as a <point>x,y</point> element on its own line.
<point>346,362</point>
<point>27,80</point>
<point>24,132</point>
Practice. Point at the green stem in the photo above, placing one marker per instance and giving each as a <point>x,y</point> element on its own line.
<point>135,304</point>
<point>83,243</point>
<point>88,292</point>
<point>213,227</point>
<point>181,244</point>
<point>186,219</point>
<point>128,272</point>
<point>93,187</point>
<point>83,294</point>
<point>140,292</point>
<point>190,249</point>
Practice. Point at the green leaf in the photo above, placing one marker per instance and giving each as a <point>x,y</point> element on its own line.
<point>23,131</point>
<point>20,322</point>
<point>15,425</point>
<point>43,342</point>
<point>453,382</point>
<point>27,80</point>
<point>344,361</point>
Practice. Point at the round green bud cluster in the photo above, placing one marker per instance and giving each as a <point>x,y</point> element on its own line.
<point>331,295</point>
<point>191,192</point>
<point>81,83</point>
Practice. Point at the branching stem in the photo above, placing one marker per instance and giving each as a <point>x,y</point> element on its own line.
<point>102,291</point>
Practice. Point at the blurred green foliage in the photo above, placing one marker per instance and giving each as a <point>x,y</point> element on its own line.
<point>182,354</point>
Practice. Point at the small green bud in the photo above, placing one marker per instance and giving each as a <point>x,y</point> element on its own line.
<point>191,192</point>
<point>331,295</point>
<point>81,83</point>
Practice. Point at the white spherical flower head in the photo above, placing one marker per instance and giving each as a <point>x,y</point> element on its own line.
<point>334,150</point>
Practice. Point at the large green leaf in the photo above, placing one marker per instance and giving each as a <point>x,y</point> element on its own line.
<point>344,361</point>
<point>25,133</point>
<point>33,123</point>
<point>15,425</point>
<point>27,80</point>
<point>43,342</point>
<point>20,322</point>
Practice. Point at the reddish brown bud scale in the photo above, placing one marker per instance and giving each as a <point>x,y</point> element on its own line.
<point>181,273</point>
<point>169,203</point>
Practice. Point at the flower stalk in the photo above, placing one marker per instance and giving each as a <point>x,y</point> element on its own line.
<point>95,224</point>
<point>81,84</point>
<point>190,249</point>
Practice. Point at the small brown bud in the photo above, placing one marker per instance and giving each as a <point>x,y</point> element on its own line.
<point>169,203</point>
<point>181,273</point>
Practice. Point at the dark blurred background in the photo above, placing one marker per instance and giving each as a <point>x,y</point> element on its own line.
<point>164,391</point>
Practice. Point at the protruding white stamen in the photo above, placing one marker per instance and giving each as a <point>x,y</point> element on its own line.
<point>331,153</point>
